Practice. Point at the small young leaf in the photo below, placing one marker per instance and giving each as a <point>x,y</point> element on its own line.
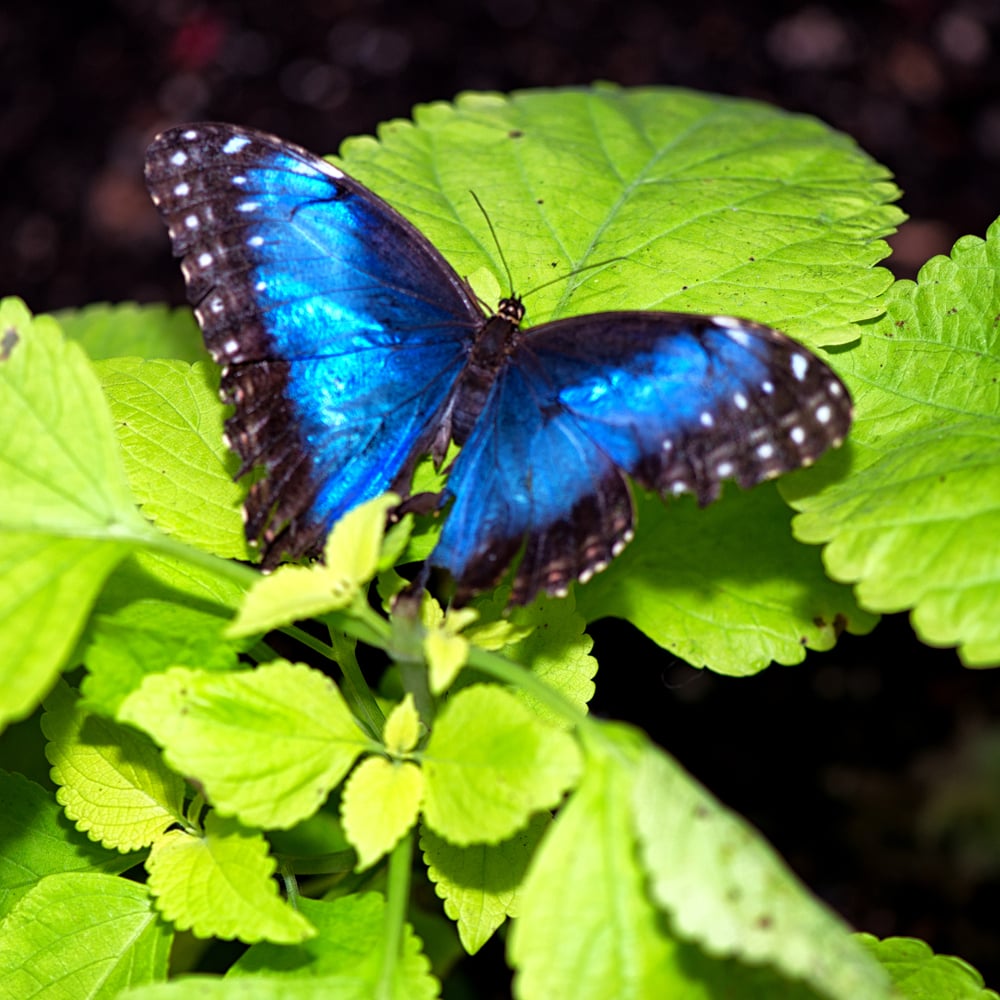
<point>220,885</point>
<point>402,727</point>
<point>919,974</point>
<point>267,745</point>
<point>37,840</point>
<point>490,763</point>
<point>445,649</point>
<point>169,421</point>
<point>81,935</point>
<point>480,884</point>
<point>291,593</point>
<point>114,784</point>
<point>380,803</point>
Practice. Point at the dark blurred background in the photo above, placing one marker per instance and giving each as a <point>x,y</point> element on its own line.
<point>874,768</point>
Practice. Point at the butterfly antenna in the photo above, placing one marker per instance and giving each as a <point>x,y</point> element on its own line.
<point>571,274</point>
<point>544,284</point>
<point>496,242</point>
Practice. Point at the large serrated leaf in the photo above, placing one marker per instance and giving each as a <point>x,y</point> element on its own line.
<point>349,941</point>
<point>490,763</point>
<point>687,202</point>
<point>915,520</point>
<point>37,840</point>
<point>919,974</point>
<point>67,514</point>
<point>220,885</point>
<point>81,935</point>
<point>697,203</point>
<point>169,422</point>
<point>267,745</point>
<point>726,588</point>
<point>728,891</point>
<point>113,782</point>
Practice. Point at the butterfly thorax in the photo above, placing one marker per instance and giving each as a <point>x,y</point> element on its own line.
<point>489,352</point>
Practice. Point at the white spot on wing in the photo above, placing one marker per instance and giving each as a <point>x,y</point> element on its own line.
<point>248,206</point>
<point>190,135</point>
<point>797,434</point>
<point>235,144</point>
<point>204,259</point>
<point>727,322</point>
<point>179,158</point>
<point>800,365</point>
<point>255,241</point>
<point>741,401</point>
<point>182,190</point>
<point>765,450</point>
<point>191,222</point>
<point>823,414</point>
<point>706,419</point>
<point>767,386</point>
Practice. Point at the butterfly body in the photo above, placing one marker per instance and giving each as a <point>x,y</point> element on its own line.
<point>351,349</point>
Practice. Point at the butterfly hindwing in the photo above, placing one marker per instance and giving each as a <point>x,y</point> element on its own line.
<point>341,329</point>
<point>678,402</point>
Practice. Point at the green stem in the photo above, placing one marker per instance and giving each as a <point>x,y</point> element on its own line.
<point>396,901</point>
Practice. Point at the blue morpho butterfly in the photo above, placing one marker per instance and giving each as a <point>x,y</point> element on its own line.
<point>351,350</point>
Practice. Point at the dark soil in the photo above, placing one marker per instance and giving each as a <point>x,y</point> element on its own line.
<point>843,761</point>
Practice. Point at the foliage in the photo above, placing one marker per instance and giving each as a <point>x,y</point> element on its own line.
<point>275,793</point>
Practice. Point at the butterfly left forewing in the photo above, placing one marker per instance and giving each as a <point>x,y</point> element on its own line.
<point>340,328</point>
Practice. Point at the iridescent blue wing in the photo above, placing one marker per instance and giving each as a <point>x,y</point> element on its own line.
<point>340,328</point>
<point>678,402</point>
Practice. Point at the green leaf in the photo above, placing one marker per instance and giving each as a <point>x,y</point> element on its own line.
<point>258,988</point>
<point>146,637</point>
<point>586,927</point>
<point>915,519</point>
<point>727,890</point>
<point>697,203</point>
<point>220,885</point>
<point>688,202</point>
<point>47,584</point>
<point>67,512</point>
<point>130,330</point>
<point>349,941</point>
<point>169,421</point>
<point>380,803</point>
<point>490,763</point>
<point>267,745</point>
<point>83,936</point>
<point>557,649</point>
<point>480,884</point>
<point>719,593</point>
<point>114,784</point>
<point>919,974</point>
<point>152,576</point>
<point>291,593</point>
<point>36,840</point>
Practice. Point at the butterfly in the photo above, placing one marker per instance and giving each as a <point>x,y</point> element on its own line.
<point>351,350</point>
